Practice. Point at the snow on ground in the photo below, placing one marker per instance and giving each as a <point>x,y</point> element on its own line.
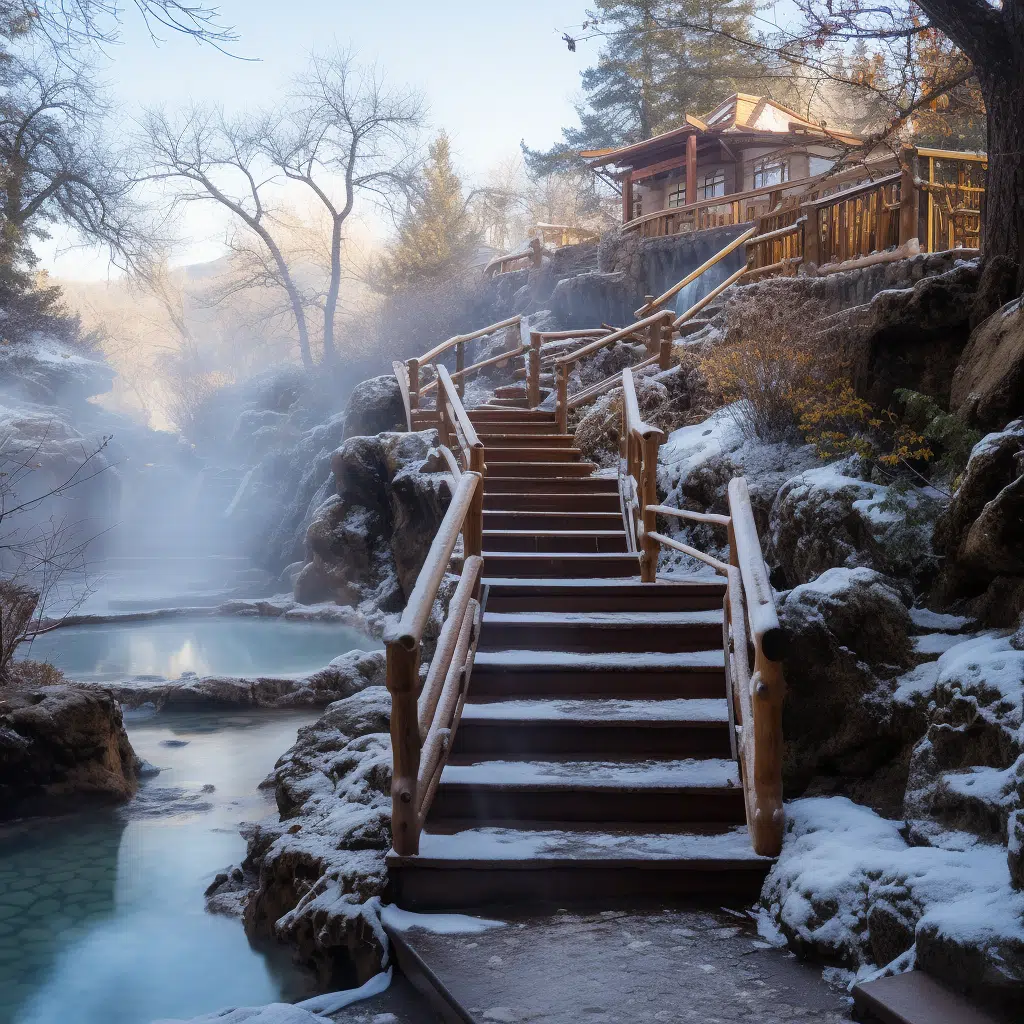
<point>439,924</point>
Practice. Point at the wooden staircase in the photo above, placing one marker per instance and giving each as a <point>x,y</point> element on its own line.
<point>592,759</point>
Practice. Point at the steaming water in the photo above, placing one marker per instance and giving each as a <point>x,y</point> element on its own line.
<point>101,915</point>
<point>209,646</point>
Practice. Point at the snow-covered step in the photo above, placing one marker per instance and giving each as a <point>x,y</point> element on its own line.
<point>559,564</point>
<point>622,790</point>
<point>584,595</point>
<point>532,673</point>
<point>551,539</point>
<point>645,631</point>
<point>474,866</point>
<point>593,727</point>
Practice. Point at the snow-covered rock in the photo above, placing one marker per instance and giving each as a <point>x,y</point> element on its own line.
<point>375,406</point>
<point>965,772</point>
<point>369,539</point>
<point>848,888</point>
<point>826,517</point>
<point>848,642</point>
<point>311,878</point>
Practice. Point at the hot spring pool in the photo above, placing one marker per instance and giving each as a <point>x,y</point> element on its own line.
<point>102,917</point>
<point>221,645</point>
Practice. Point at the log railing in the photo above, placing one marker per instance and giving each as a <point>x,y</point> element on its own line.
<point>655,329</point>
<point>424,719</point>
<point>415,368</point>
<point>502,264</point>
<point>753,640</point>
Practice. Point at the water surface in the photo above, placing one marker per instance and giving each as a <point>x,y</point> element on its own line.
<point>101,915</point>
<point>221,645</point>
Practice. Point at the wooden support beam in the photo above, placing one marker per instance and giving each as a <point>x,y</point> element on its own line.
<point>627,197</point>
<point>691,169</point>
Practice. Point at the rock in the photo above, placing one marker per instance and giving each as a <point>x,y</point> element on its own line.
<point>962,772</point>
<point>50,372</point>
<point>824,518</point>
<point>848,888</point>
<point>62,746</point>
<point>988,386</point>
<point>316,882</point>
<point>848,634</point>
<point>375,406</point>
<point>981,532</point>
<point>371,537</point>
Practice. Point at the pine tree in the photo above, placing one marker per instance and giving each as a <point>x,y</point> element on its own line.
<point>659,61</point>
<point>437,238</point>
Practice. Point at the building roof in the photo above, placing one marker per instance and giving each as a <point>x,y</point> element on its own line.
<point>739,115</point>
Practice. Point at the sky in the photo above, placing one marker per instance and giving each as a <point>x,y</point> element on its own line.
<point>492,74</point>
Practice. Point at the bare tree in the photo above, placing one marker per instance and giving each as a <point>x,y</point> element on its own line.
<point>42,557</point>
<point>341,133</point>
<point>54,166</point>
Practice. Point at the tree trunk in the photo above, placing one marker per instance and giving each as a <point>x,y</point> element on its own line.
<point>1004,187</point>
<point>331,303</point>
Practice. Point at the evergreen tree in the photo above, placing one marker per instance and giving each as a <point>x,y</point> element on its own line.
<point>437,237</point>
<point>658,62</point>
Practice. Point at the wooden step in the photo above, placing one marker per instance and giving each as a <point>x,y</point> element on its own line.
<point>491,791</point>
<point>913,998</point>
<point>465,865</point>
<point>593,727</point>
<point>583,595</point>
<point>559,502</point>
<point>491,416</point>
<point>535,481</point>
<point>509,428</point>
<point>545,522</point>
<point>530,456</point>
<point>499,470</point>
<point>526,674</point>
<point>541,565</point>
<point>510,391</point>
<point>592,541</point>
<point>505,403</point>
<point>667,632</point>
<point>492,440</point>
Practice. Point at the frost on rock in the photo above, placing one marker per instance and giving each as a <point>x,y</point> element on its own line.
<point>848,634</point>
<point>966,772</point>
<point>825,518</point>
<point>848,888</point>
<point>311,878</point>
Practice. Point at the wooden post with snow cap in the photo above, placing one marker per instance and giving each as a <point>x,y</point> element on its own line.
<point>403,676</point>
<point>562,398</point>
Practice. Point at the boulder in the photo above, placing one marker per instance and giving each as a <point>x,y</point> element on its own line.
<point>50,372</point>
<point>826,517</point>
<point>848,634</point>
<point>62,746</point>
<point>375,406</point>
<point>988,385</point>
<point>371,537</point>
<point>963,772</point>
<point>981,533</point>
<point>848,888</point>
<point>317,870</point>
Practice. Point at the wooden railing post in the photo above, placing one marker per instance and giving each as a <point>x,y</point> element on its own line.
<point>414,383</point>
<point>649,496</point>
<point>460,365</point>
<point>909,199</point>
<point>562,398</point>
<point>403,676</point>
<point>812,236</point>
<point>533,391</point>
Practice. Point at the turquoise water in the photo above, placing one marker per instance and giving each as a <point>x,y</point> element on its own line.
<point>207,646</point>
<point>101,915</point>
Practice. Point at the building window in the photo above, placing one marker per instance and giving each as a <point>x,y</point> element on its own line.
<point>714,184</point>
<point>772,170</point>
<point>677,195</point>
<point>638,201</point>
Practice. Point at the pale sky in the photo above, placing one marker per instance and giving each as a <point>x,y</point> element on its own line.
<point>492,75</point>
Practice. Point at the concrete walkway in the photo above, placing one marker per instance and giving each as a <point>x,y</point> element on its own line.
<point>623,966</point>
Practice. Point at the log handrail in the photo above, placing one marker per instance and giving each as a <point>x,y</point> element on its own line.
<point>639,444</point>
<point>610,339</point>
<point>402,376</point>
<point>458,339</point>
<point>754,648</point>
<point>501,357</point>
<point>424,721</point>
<point>851,193</point>
<point>531,251</point>
<point>708,299</point>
